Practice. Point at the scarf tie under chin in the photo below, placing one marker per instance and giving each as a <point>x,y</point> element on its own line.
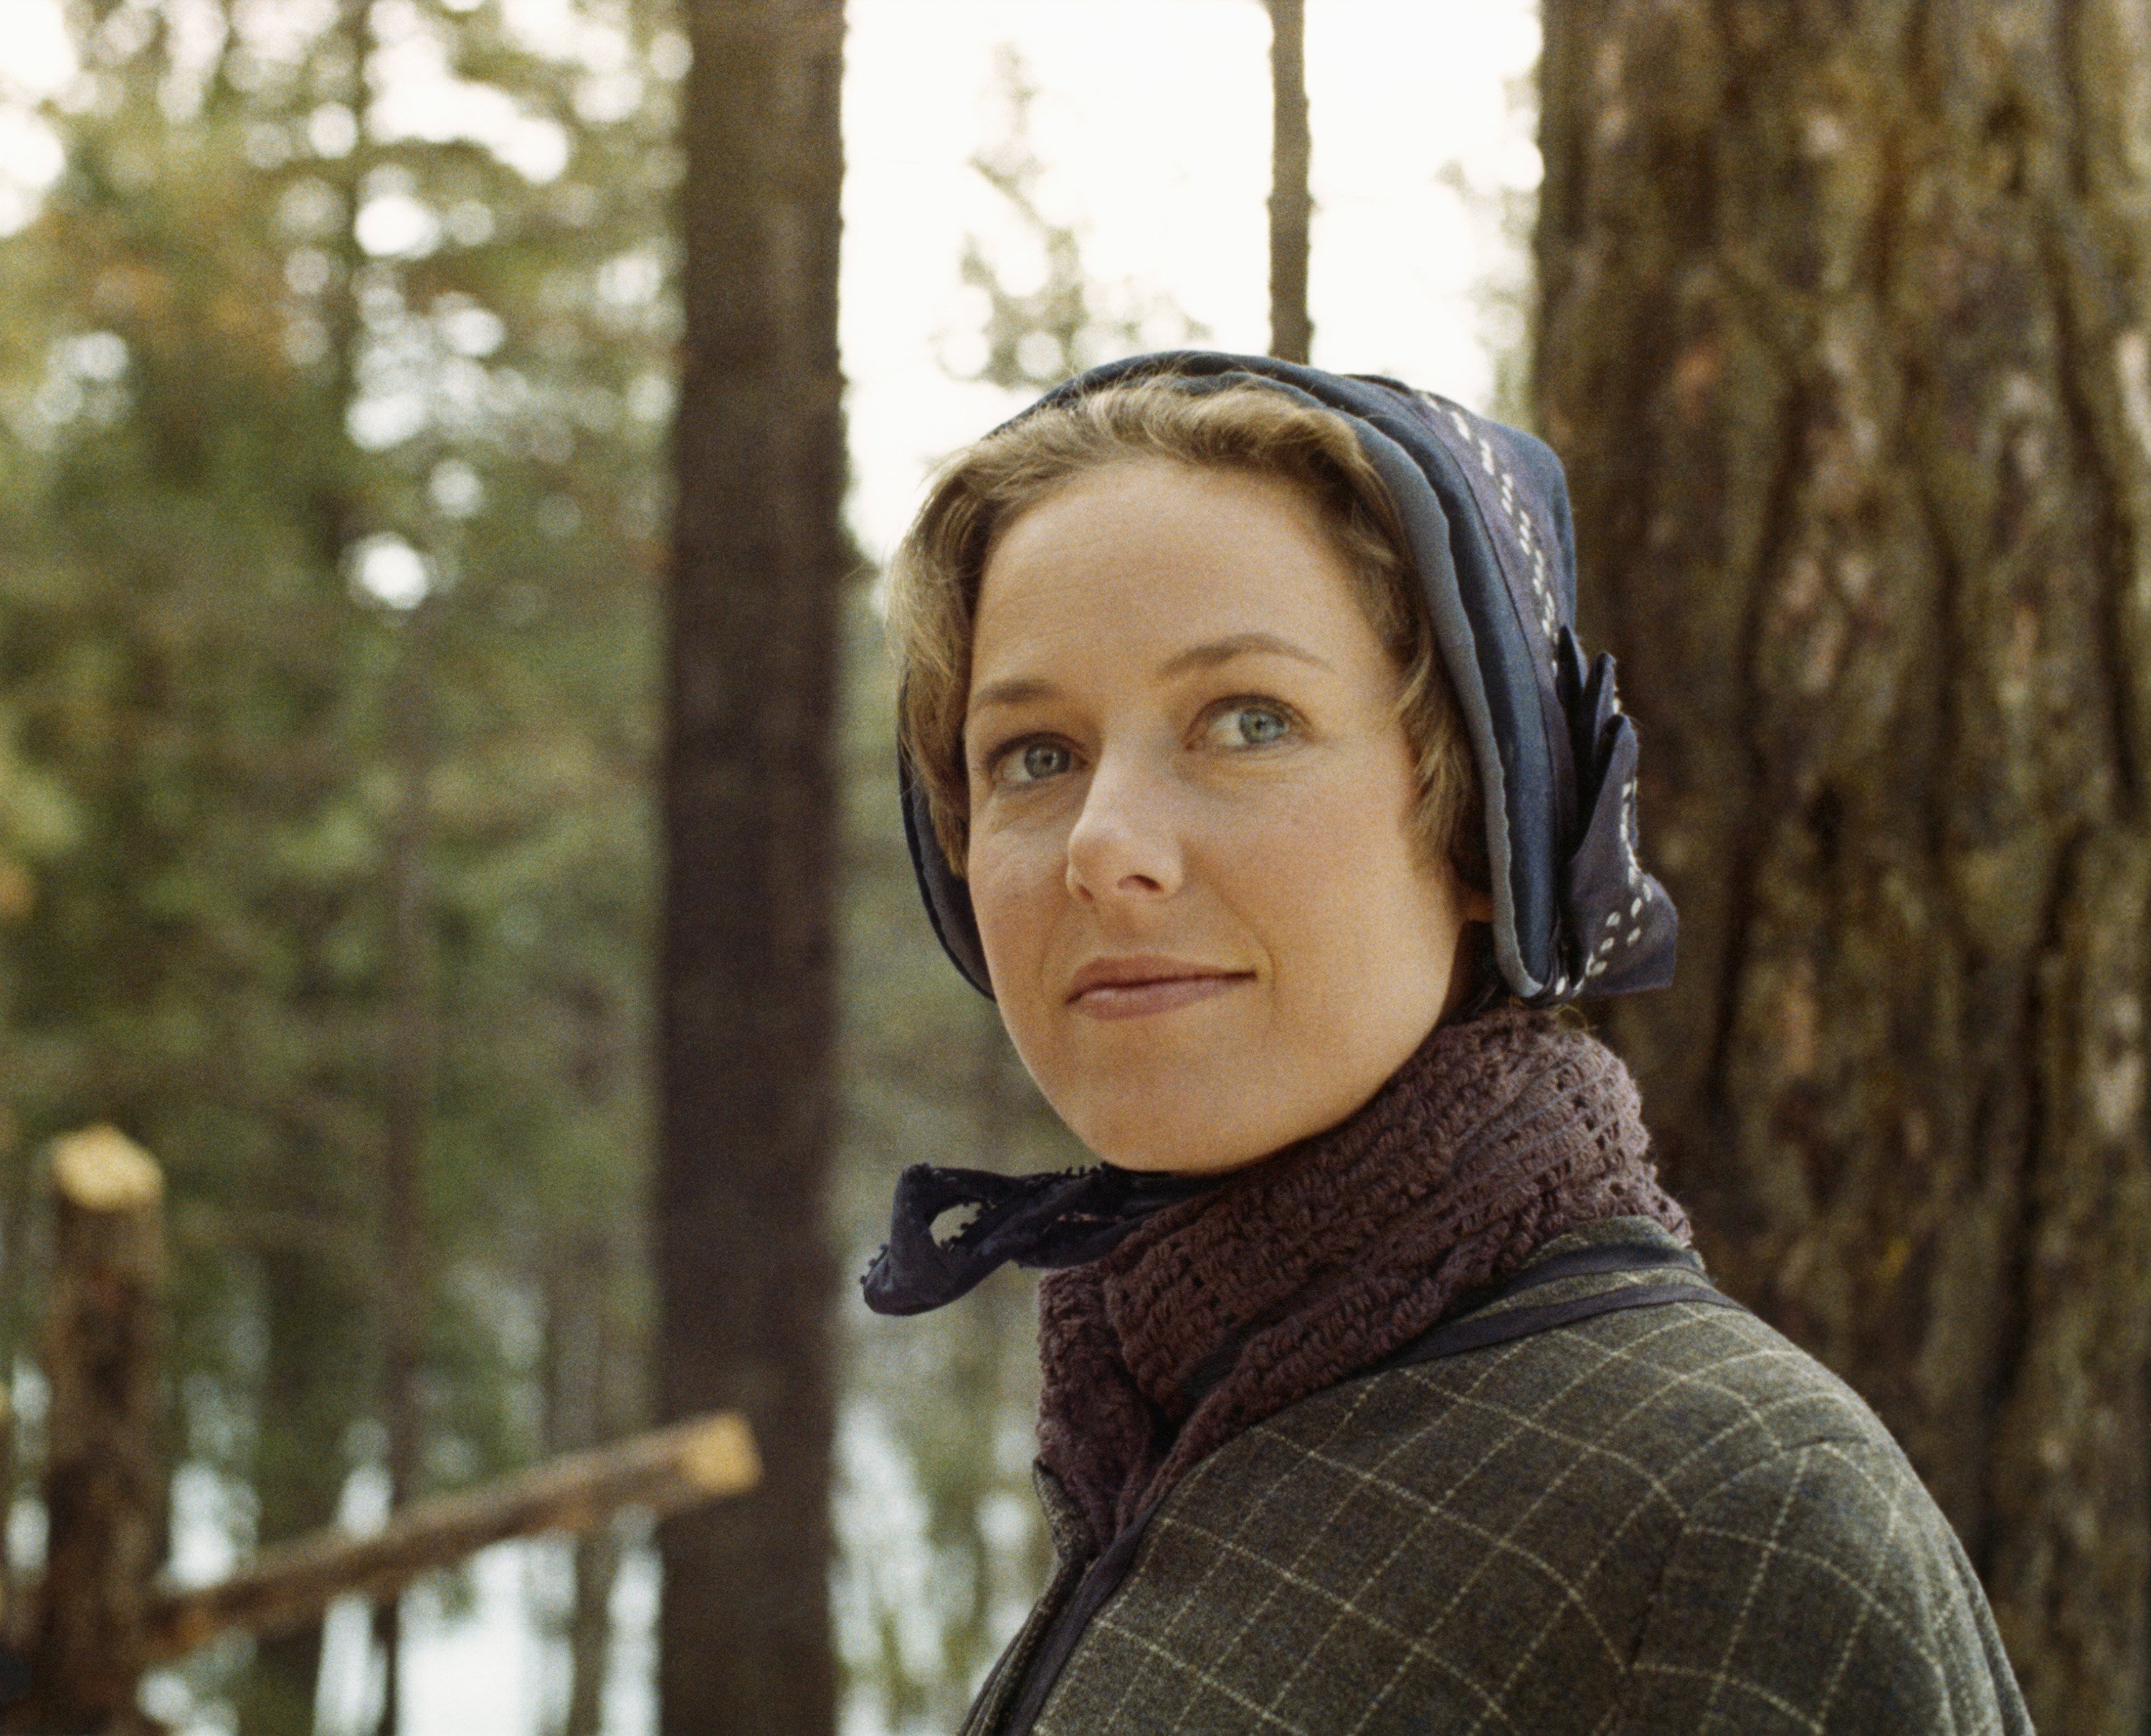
<point>1497,1134</point>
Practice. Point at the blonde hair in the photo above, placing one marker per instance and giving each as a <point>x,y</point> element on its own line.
<point>934,576</point>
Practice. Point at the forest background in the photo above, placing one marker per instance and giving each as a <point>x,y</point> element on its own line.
<point>338,371</point>
<point>446,450</point>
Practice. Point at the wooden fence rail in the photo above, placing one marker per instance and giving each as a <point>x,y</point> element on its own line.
<point>102,1617</point>
<point>290,1586</point>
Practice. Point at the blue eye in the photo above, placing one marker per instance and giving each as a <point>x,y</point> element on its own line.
<point>1249,726</point>
<point>1035,761</point>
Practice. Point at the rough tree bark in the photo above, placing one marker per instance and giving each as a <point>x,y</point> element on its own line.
<point>1291,202</point>
<point>1843,338</point>
<point>745,1278</point>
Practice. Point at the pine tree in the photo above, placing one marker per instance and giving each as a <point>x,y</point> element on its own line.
<point>1292,198</point>
<point>1843,341</point>
<point>747,1008</point>
<point>283,371</point>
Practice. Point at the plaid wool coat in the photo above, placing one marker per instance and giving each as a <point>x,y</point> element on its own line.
<point>1663,1519</point>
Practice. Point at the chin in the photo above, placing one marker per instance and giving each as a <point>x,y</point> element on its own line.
<point>1154,1159</point>
<point>1132,1134</point>
<point>1193,1119</point>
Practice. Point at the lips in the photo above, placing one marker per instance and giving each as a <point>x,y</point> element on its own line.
<point>1130,987</point>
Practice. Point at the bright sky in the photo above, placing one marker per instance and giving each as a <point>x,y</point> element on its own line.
<point>1154,120</point>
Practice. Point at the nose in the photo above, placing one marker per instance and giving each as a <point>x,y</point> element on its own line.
<point>1124,843</point>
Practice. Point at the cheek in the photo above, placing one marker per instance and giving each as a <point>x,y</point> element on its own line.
<point>1335,882</point>
<point>1016,882</point>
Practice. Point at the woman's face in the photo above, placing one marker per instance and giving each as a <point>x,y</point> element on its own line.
<point>1210,930</point>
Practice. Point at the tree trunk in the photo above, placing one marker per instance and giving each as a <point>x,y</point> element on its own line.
<point>586,1402</point>
<point>104,1462</point>
<point>1842,336</point>
<point>744,1279</point>
<point>1292,203</point>
<point>977,1398</point>
<point>590,1631</point>
<point>14,1274</point>
<point>408,1072</point>
<point>316,1314</point>
<point>316,1319</point>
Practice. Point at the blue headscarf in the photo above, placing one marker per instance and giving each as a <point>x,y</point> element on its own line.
<point>1484,511</point>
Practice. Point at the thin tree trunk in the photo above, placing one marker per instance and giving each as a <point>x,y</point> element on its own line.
<point>582,1408</point>
<point>407,1073</point>
<point>14,1275</point>
<point>598,1388</point>
<point>1291,202</point>
<point>979,1381</point>
<point>590,1631</point>
<point>314,1311</point>
<point>1843,337</point>
<point>317,1320</point>
<point>744,1279</point>
<point>13,1634</point>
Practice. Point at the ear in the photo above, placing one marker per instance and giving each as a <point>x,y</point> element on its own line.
<point>1478,906</point>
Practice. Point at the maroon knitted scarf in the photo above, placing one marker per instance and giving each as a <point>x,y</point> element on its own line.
<point>1499,1134</point>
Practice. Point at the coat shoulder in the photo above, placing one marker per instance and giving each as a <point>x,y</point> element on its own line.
<point>1487,1540</point>
<point>1680,1396</point>
<point>1820,1589</point>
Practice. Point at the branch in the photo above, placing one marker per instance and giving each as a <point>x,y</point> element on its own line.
<point>290,1586</point>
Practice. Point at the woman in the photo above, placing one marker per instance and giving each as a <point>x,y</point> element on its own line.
<point>1252,767</point>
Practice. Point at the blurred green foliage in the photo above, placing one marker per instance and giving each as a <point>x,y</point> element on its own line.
<point>332,509</point>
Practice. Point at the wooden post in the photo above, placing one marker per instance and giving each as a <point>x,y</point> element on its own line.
<point>103,1619</point>
<point>105,1485</point>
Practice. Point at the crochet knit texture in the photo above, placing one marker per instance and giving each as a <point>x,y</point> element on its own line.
<point>1497,1134</point>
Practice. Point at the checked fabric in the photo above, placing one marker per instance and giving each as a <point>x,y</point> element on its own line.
<point>1665,1519</point>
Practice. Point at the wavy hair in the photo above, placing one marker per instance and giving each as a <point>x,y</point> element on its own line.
<point>935,577</point>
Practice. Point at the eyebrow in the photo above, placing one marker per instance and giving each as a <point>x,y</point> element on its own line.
<point>1011,690</point>
<point>1238,645</point>
<point>1021,690</point>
